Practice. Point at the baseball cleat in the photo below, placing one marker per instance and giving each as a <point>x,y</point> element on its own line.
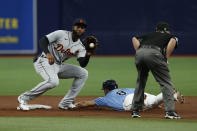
<point>67,107</point>
<point>172,115</point>
<point>135,114</point>
<point>22,104</point>
<point>178,96</point>
<point>21,101</point>
<point>23,107</point>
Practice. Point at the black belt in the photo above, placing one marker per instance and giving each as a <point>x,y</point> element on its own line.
<point>151,47</point>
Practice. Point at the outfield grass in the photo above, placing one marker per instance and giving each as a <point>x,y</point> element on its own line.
<point>18,75</point>
<point>93,124</point>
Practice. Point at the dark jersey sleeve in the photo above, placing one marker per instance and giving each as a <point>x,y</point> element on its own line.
<point>176,41</point>
<point>44,42</point>
<point>141,38</point>
<point>83,61</point>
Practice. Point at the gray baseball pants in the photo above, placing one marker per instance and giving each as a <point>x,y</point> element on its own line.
<point>51,75</point>
<point>151,59</point>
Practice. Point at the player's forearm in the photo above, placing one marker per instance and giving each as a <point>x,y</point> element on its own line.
<point>170,47</point>
<point>83,61</point>
<point>136,43</point>
<point>85,104</point>
<point>44,42</point>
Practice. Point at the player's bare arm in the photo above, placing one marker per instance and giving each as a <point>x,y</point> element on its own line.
<point>170,47</point>
<point>85,104</point>
<point>136,43</point>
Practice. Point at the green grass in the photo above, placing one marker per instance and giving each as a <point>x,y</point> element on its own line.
<point>93,124</point>
<point>18,75</point>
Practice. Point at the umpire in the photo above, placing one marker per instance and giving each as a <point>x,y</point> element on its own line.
<point>152,51</point>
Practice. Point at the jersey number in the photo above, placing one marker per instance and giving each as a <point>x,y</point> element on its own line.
<point>121,93</point>
<point>60,48</point>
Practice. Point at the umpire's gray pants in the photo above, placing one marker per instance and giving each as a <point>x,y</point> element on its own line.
<point>51,75</point>
<point>151,59</point>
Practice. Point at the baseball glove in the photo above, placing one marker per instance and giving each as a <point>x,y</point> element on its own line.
<point>90,43</point>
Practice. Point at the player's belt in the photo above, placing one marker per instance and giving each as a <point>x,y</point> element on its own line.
<point>151,47</point>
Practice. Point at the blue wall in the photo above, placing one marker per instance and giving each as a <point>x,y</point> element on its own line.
<point>115,22</point>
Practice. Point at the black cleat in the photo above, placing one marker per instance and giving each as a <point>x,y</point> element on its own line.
<point>172,115</point>
<point>135,114</point>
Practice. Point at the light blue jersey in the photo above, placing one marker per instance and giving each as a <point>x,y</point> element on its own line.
<point>114,99</point>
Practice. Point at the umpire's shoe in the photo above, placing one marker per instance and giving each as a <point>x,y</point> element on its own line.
<point>135,114</point>
<point>172,115</point>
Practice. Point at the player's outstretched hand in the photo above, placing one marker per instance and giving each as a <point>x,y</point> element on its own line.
<point>50,58</point>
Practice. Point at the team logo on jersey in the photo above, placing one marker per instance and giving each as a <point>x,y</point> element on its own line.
<point>60,48</point>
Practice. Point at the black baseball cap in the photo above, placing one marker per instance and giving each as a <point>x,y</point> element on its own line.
<point>80,22</point>
<point>162,26</point>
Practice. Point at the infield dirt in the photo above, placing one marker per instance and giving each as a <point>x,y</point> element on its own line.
<point>8,105</point>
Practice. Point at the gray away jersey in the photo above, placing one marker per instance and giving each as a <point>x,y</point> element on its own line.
<point>62,47</point>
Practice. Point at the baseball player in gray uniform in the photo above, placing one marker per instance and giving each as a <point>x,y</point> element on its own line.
<point>57,47</point>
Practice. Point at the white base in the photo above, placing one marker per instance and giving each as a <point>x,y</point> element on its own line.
<point>33,107</point>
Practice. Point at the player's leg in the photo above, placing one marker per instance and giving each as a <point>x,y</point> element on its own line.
<point>138,99</point>
<point>48,73</point>
<point>161,74</point>
<point>152,101</point>
<point>160,71</point>
<point>80,76</point>
<point>127,103</point>
<point>159,99</point>
<point>159,68</point>
<point>167,92</point>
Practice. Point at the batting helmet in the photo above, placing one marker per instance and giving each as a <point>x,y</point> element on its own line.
<point>110,85</point>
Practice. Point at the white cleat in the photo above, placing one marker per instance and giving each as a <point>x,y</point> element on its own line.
<point>21,101</point>
<point>23,107</point>
<point>68,107</point>
<point>22,104</point>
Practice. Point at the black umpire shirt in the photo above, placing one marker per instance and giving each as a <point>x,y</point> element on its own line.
<point>157,39</point>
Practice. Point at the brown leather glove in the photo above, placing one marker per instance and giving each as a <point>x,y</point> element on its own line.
<point>90,43</point>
